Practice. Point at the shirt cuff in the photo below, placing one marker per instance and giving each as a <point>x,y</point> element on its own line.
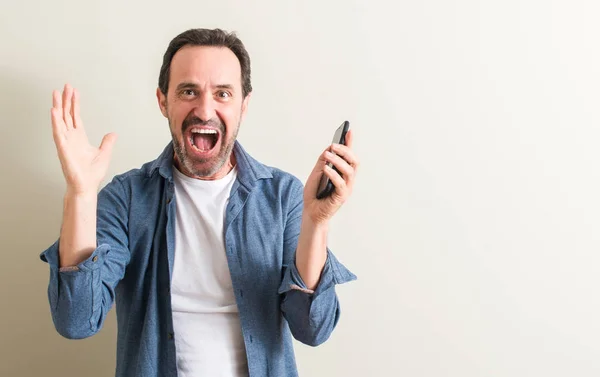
<point>93,262</point>
<point>333,273</point>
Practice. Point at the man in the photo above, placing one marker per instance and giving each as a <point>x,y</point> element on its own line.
<point>213,260</point>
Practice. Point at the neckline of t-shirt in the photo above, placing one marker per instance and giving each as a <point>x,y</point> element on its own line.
<point>224,181</point>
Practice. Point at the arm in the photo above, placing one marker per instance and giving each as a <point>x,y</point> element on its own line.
<point>84,167</point>
<point>311,271</point>
<point>81,294</point>
<point>312,251</point>
<point>312,243</point>
<point>81,284</point>
<point>78,231</point>
<point>311,312</point>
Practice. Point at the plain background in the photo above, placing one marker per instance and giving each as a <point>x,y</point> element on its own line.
<point>473,227</point>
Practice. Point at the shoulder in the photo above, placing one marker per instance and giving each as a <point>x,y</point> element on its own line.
<point>284,178</point>
<point>281,187</point>
<point>279,179</point>
<point>127,178</point>
<point>270,177</point>
<point>133,180</point>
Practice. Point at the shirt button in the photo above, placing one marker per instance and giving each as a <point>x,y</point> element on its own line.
<point>95,258</point>
<point>171,336</point>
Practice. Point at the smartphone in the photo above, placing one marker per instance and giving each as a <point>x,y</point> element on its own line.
<point>326,187</point>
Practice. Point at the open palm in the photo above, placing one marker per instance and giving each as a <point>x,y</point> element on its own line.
<point>84,166</point>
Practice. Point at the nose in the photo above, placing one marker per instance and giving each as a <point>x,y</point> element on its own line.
<point>205,107</point>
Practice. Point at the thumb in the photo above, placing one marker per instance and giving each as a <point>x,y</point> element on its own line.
<point>108,141</point>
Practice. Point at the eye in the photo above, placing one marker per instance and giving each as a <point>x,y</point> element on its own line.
<point>188,93</point>
<point>223,94</point>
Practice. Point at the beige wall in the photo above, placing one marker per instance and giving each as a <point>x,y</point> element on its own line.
<point>474,224</point>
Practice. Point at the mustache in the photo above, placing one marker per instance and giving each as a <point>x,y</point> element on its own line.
<point>193,120</point>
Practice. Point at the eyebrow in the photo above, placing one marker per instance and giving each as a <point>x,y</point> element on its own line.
<point>225,86</point>
<point>191,85</point>
<point>186,85</point>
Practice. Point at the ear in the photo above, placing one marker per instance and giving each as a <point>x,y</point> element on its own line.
<point>245,105</point>
<point>162,102</point>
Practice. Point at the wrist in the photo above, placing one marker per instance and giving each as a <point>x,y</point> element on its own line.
<point>84,195</point>
<point>314,226</point>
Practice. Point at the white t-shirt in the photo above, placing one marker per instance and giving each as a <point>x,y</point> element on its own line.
<point>208,335</point>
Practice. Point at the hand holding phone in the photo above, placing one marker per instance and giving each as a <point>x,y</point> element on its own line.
<point>326,187</point>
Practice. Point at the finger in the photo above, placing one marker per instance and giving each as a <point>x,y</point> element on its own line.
<point>75,110</point>
<point>349,138</point>
<point>58,125</point>
<point>108,141</point>
<point>56,100</point>
<point>336,179</point>
<point>346,153</point>
<point>341,165</point>
<point>321,161</point>
<point>67,99</point>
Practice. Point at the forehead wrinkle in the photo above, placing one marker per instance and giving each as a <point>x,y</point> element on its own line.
<point>206,67</point>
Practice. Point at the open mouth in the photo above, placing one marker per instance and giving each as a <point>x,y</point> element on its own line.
<point>204,139</point>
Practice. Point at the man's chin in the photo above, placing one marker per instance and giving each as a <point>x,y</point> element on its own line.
<point>204,167</point>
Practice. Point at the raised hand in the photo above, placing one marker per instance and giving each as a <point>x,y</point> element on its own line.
<point>84,166</point>
<point>344,159</point>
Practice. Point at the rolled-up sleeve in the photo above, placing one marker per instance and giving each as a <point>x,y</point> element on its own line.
<point>311,315</point>
<point>81,296</point>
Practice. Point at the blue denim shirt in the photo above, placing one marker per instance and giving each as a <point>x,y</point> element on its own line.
<point>133,263</point>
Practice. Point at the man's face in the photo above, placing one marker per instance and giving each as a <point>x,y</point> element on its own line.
<point>205,106</point>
